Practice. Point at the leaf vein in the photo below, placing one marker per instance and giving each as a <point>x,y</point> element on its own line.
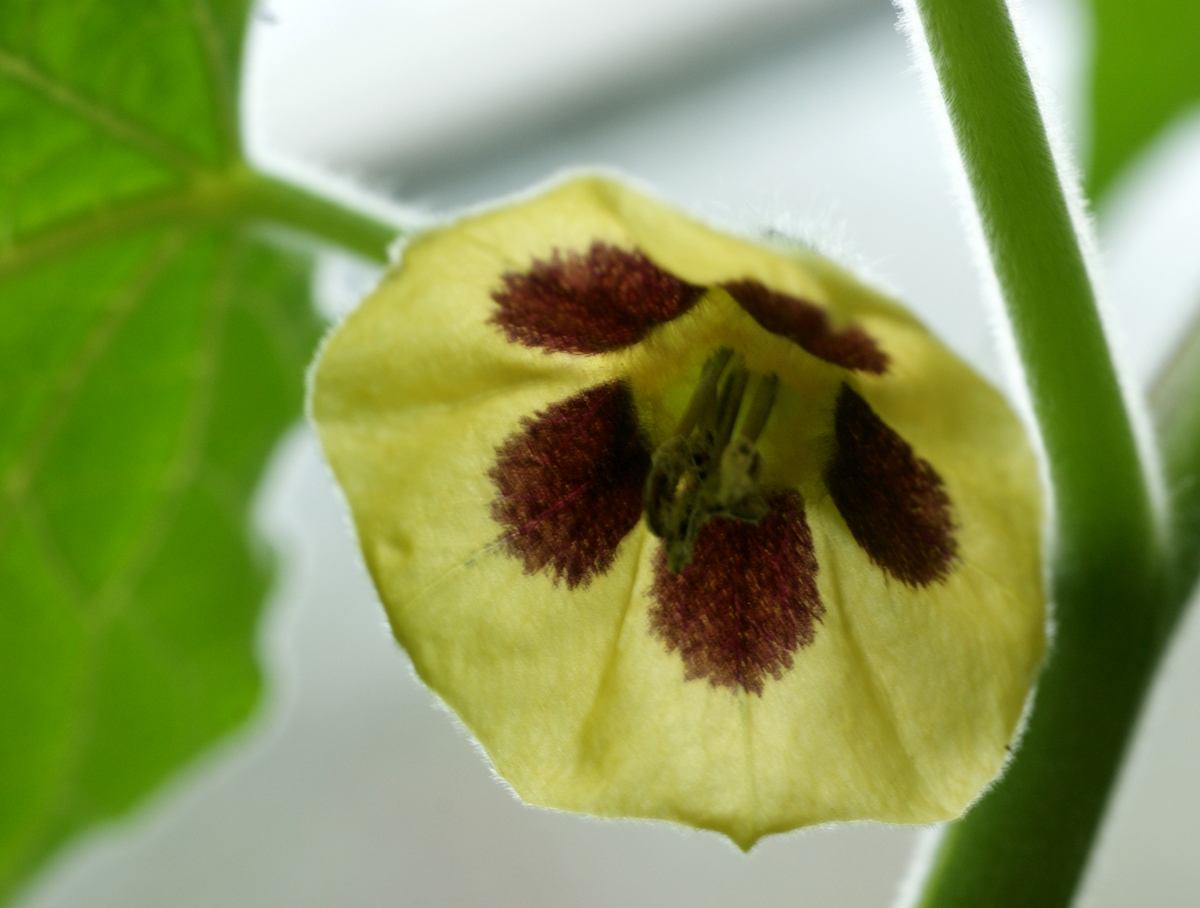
<point>20,476</point>
<point>220,78</point>
<point>99,115</point>
<point>118,594</point>
<point>29,509</point>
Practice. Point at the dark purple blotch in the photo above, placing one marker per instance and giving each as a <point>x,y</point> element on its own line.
<point>594,302</point>
<point>893,501</point>
<point>807,325</point>
<point>569,484</point>
<point>747,602</point>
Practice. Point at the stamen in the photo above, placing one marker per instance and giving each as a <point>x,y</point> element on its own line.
<point>706,390</point>
<point>760,406</point>
<point>741,469</point>
<point>668,465</point>
<point>699,474</point>
<point>732,392</point>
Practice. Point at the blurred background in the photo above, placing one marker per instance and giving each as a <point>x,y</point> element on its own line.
<point>353,786</point>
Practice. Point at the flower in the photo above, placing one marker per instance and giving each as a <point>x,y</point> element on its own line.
<point>683,526</point>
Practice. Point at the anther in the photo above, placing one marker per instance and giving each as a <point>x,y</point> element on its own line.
<point>667,468</point>
<point>732,391</point>
<point>760,406</point>
<point>706,391</point>
<point>702,473</point>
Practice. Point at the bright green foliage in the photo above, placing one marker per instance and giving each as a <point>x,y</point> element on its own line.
<point>1146,72</point>
<point>102,102</point>
<point>151,352</point>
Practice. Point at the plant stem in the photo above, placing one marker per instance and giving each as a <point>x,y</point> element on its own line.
<point>1026,842</point>
<point>210,197</point>
<point>282,203</point>
<point>1175,405</point>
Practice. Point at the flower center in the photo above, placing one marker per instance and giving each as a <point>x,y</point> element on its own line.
<point>703,471</point>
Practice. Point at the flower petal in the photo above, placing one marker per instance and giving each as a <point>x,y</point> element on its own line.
<point>573,667</point>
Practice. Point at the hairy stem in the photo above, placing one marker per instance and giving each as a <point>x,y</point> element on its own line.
<point>1027,841</point>
<point>1175,406</point>
<point>219,196</point>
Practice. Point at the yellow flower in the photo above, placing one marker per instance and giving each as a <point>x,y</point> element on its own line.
<point>687,527</point>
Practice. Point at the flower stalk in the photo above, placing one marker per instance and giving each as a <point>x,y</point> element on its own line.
<point>1027,841</point>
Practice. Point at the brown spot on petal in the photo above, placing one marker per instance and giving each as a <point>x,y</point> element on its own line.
<point>600,301</point>
<point>893,501</point>
<point>569,484</point>
<point>746,603</point>
<point>807,324</point>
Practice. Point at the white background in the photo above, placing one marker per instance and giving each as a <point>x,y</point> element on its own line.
<point>353,787</point>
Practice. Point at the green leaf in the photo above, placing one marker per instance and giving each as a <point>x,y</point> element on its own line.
<point>1146,72</point>
<point>154,373</point>
<point>152,344</point>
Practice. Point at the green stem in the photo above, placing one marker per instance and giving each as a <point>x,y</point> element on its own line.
<point>274,201</point>
<point>1175,405</point>
<point>1027,841</point>
<point>226,196</point>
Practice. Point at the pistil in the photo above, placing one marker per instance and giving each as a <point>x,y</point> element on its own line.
<point>702,472</point>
